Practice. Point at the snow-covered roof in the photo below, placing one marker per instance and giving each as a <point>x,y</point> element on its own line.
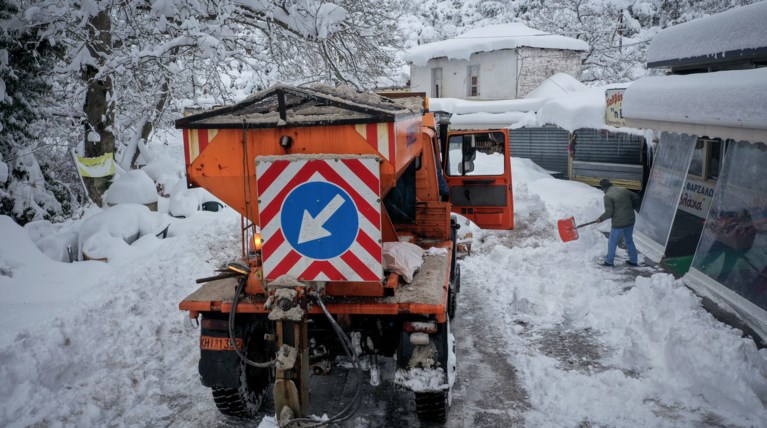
<point>562,101</point>
<point>725,104</point>
<point>582,109</point>
<point>492,38</point>
<point>739,33</point>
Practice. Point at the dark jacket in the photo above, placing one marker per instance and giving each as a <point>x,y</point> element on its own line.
<point>620,204</point>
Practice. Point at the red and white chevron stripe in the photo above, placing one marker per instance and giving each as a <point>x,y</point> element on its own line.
<point>359,177</point>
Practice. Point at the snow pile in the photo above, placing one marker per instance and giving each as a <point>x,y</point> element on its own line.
<point>560,100</point>
<point>459,106</point>
<point>165,173</point>
<point>186,202</point>
<point>108,235</point>
<point>492,38</point>
<point>557,85</point>
<point>56,242</point>
<point>582,109</point>
<point>33,287</point>
<point>712,36</point>
<point>605,339</point>
<point>131,187</point>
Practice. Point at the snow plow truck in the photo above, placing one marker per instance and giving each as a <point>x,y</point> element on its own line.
<point>348,244</point>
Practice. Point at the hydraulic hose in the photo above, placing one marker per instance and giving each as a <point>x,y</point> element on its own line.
<point>347,412</point>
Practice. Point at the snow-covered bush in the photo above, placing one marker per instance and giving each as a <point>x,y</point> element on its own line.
<point>105,234</point>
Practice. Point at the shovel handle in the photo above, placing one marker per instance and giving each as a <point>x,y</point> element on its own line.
<point>585,224</point>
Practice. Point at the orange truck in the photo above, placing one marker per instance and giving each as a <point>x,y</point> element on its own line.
<point>348,243</point>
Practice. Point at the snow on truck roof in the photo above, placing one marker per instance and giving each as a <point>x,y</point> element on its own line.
<point>492,38</point>
<point>317,105</point>
<point>738,33</point>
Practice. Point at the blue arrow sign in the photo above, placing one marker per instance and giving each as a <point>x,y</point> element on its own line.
<point>319,220</point>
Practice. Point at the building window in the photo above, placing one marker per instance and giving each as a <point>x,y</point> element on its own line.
<point>706,159</point>
<point>473,74</point>
<point>436,82</point>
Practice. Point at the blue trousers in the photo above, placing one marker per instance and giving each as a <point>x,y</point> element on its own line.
<point>612,243</point>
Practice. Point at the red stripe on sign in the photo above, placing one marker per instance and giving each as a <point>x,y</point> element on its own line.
<point>318,267</point>
<point>360,268</point>
<point>392,146</point>
<point>186,145</point>
<point>203,139</point>
<point>284,266</point>
<point>364,174</point>
<point>362,205</point>
<point>271,174</point>
<point>372,247</point>
<point>271,245</point>
<point>275,205</point>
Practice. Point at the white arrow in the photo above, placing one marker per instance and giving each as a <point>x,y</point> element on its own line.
<point>312,227</point>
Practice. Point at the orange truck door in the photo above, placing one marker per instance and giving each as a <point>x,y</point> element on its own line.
<point>478,172</point>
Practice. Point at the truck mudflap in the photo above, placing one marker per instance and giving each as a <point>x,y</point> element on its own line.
<point>427,366</point>
<point>219,365</point>
<point>425,360</point>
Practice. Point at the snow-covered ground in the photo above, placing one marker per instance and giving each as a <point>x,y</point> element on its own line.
<point>104,344</point>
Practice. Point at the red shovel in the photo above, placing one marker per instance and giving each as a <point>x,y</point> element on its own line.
<point>568,231</point>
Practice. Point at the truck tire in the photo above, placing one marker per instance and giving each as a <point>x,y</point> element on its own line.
<point>431,406</point>
<point>246,400</point>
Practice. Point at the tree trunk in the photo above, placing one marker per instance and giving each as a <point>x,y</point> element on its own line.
<point>98,107</point>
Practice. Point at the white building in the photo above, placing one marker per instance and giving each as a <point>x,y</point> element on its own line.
<point>503,61</point>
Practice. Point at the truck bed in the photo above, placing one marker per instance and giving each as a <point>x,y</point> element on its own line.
<point>426,294</point>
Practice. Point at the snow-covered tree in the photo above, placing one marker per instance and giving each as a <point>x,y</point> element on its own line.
<point>28,190</point>
<point>133,60</point>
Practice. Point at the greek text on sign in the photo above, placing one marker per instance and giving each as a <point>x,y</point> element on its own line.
<point>614,107</point>
<point>320,217</point>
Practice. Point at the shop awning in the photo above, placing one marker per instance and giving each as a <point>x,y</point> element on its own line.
<point>724,104</point>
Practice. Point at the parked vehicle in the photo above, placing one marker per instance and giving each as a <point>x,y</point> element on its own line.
<point>335,189</point>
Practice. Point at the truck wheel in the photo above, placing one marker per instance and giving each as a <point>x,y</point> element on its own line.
<point>246,400</point>
<point>451,302</point>
<point>431,406</point>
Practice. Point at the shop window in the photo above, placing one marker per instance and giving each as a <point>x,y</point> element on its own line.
<point>436,82</point>
<point>733,247</point>
<point>716,147</point>
<point>706,159</point>
<point>473,74</point>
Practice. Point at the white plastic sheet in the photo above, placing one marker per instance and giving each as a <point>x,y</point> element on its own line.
<point>733,247</point>
<point>664,188</point>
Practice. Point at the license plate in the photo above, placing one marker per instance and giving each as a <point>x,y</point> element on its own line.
<point>208,343</point>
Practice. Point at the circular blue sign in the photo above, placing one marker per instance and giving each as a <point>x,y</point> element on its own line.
<point>319,220</point>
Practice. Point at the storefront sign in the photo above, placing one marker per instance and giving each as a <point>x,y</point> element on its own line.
<point>614,110</point>
<point>696,197</point>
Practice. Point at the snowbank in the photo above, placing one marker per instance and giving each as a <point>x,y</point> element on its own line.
<point>131,187</point>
